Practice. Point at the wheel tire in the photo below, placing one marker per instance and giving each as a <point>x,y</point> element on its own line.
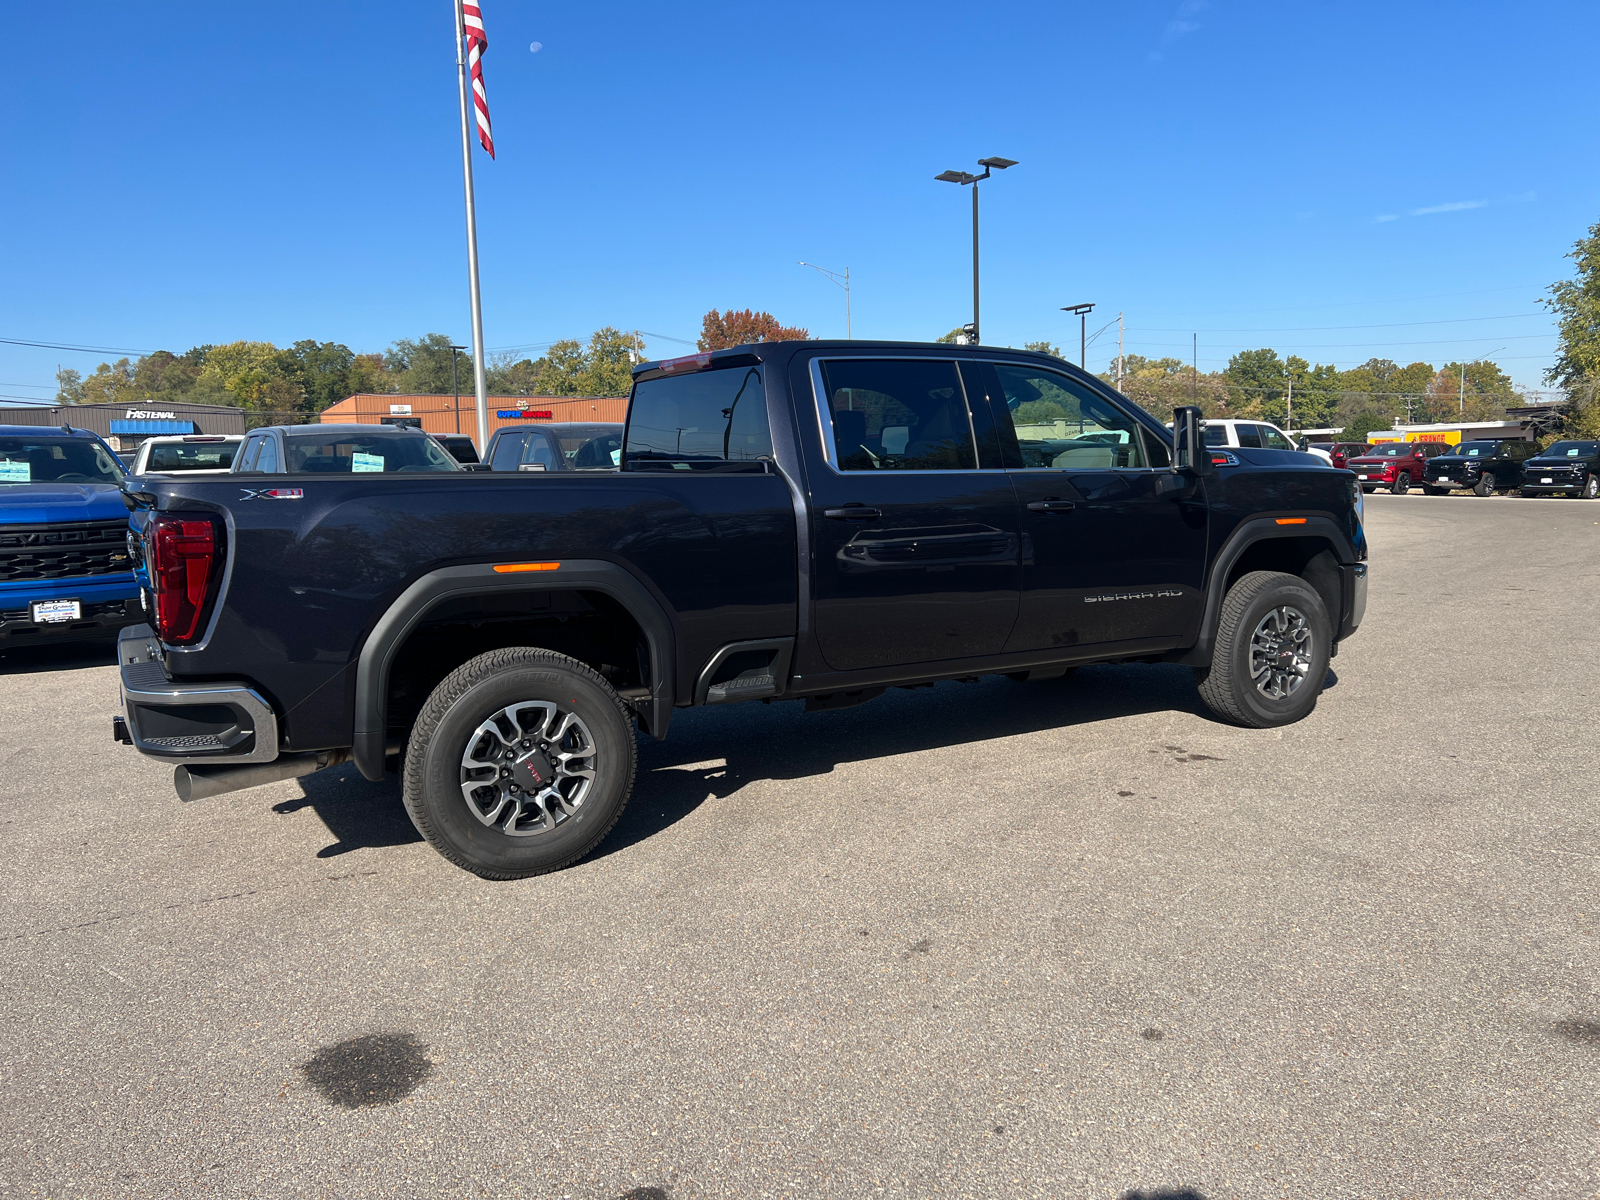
<point>1227,687</point>
<point>450,724</point>
<point>1484,486</point>
<point>1402,483</point>
<point>1591,488</point>
<point>1367,491</point>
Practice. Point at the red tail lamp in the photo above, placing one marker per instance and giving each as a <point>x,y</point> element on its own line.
<point>184,556</point>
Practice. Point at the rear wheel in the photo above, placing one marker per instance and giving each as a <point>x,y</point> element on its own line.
<point>1591,489</point>
<point>1402,483</point>
<point>1270,659</point>
<point>519,763</point>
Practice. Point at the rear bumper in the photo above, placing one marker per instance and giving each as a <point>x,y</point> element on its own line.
<point>190,723</point>
<point>1355,598</point>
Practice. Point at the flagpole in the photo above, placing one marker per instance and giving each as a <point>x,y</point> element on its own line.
<point>479,380</point>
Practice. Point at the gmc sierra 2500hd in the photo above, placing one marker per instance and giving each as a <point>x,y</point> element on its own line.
<point>811,520</point>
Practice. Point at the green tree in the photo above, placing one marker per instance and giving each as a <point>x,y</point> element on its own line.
<point>422,365</point>
<point>1255,377</point>
<point>1363,423</point>
<point>561,369</point>
<point>1576,304</point>
<point>948,339</point>
<point>327,372</point>
<point>1042,348</point>
<point>69,386</point>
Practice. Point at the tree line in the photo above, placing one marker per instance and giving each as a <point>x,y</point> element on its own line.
<point>299,381</point>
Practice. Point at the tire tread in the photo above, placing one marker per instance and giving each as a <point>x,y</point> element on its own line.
<point>1217,684</point>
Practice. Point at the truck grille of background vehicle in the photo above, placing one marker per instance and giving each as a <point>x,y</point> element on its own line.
<point>63,551</point>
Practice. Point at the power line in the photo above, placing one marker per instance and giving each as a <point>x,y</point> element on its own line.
<point>75,349</point>
<point>1319,328</point>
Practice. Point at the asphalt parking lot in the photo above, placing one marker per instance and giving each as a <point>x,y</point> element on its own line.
<point>1067,938</point>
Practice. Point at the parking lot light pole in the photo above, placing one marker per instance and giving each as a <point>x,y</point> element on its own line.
<point>455,383</point>
<point>964,178</point>
<point>1083,311</point>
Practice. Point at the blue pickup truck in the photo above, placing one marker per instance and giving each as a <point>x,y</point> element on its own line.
<point>65,571</point>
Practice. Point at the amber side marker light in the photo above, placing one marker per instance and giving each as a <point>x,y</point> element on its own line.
<point>511,568</point>
<point>1281,521</point>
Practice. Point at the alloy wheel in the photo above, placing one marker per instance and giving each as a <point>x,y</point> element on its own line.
<point>528,768</point>
<point>1280,652</point>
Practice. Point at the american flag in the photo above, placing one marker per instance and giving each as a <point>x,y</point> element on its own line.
<point>477,43</point>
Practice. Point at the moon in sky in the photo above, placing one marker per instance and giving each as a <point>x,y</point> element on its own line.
<point>536,47</point>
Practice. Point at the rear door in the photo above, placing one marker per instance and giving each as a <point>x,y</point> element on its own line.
<point>914,542</point>
<point>1113,542</point>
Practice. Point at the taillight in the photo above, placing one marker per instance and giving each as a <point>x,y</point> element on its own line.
<point>184,555</point>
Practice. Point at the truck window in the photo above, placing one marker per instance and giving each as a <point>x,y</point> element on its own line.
<point>267,460</point>
<point>1249,435</point>
<point>897,415</point>
<point>712,420</point>
<point>507,450</point>
<point>1271,439</point>
<point>1060,423</point>
<point>541,451</point>
<point>56,460</point>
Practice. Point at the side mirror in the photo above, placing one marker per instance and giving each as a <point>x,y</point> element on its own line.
<point>1189,451</point>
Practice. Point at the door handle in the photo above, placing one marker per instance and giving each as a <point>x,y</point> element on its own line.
<point>852,512</point>
<point>1051,505</point>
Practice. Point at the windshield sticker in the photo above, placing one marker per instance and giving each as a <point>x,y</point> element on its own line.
<point>616,458</point>
<point>15,472</point>
<point>366,462</point>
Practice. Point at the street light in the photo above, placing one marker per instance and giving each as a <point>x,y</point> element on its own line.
<point>844,282</point>
<point>454,383</point>
<point>1083,311</point>
<point>964,178</point>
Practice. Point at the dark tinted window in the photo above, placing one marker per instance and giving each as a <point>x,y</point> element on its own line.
<point>1063,424</point>
<point>1476,449</point>
<point>344,453</point>
<point>705,420</point>
<point>459,446</point>
<point>601,453</point>
<point>1249,436</point>
<point>191,456</point>
<point>56,460</point>
<point>507,452</point>
<point>897,415</point>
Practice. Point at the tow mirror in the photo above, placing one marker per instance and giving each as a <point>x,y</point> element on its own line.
<point>1189,451</point>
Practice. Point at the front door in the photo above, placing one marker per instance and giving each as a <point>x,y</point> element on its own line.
<point>915,548</point>
<point>1113,542</point>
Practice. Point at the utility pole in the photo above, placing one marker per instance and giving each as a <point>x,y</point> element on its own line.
<point>1082,311</point>
<point>1194,371</point>
<point>1288,413</point>
<point>1463,397</point>
<point>1122,365</point>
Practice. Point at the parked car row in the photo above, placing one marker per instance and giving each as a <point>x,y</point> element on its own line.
<point>1481,467</point>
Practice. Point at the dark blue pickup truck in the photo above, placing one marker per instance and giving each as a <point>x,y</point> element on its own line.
<point>792,520</point>
<point>65,571</point>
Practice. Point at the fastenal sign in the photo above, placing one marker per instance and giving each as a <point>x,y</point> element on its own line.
<point>150,414</point>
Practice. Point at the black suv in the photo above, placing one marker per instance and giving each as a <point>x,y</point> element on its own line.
<point>1566,468</point>
<point>1485,467</point>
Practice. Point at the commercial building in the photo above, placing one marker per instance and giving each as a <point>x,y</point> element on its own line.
<point>125,426</point>
<point>1456,432</point>
<point>442,414</point>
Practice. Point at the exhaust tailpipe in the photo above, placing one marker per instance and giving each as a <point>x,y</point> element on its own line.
<point>201,783</point>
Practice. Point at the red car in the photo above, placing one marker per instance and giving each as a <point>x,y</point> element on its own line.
<point>1396,466</point>
<point>1342,452</point>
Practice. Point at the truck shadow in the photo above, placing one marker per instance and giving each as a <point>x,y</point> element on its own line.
<point>779,741</point>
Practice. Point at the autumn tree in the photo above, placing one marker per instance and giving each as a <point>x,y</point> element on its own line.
<point>719,330</point>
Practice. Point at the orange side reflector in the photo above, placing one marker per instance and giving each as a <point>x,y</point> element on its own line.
<point>510,568</point>
<point>1281,521</point>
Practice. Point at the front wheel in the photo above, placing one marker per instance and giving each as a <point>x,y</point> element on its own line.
<point>1591,489</point>
<point>1402,484</point>
<point>1270,659</point>
<point>519,763</point>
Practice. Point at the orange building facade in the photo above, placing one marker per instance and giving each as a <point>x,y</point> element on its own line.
<point>439,414</point>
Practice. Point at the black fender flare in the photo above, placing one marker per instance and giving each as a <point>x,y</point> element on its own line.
<point>412,606</point>
<point>1249,533</point>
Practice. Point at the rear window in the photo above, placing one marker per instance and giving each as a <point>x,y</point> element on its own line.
<point>192,456</point>
<point>707,421</point>
<point>56,460</point>
<point>343,454</point>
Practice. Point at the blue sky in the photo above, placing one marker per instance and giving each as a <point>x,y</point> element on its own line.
<point>1334,180</point>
